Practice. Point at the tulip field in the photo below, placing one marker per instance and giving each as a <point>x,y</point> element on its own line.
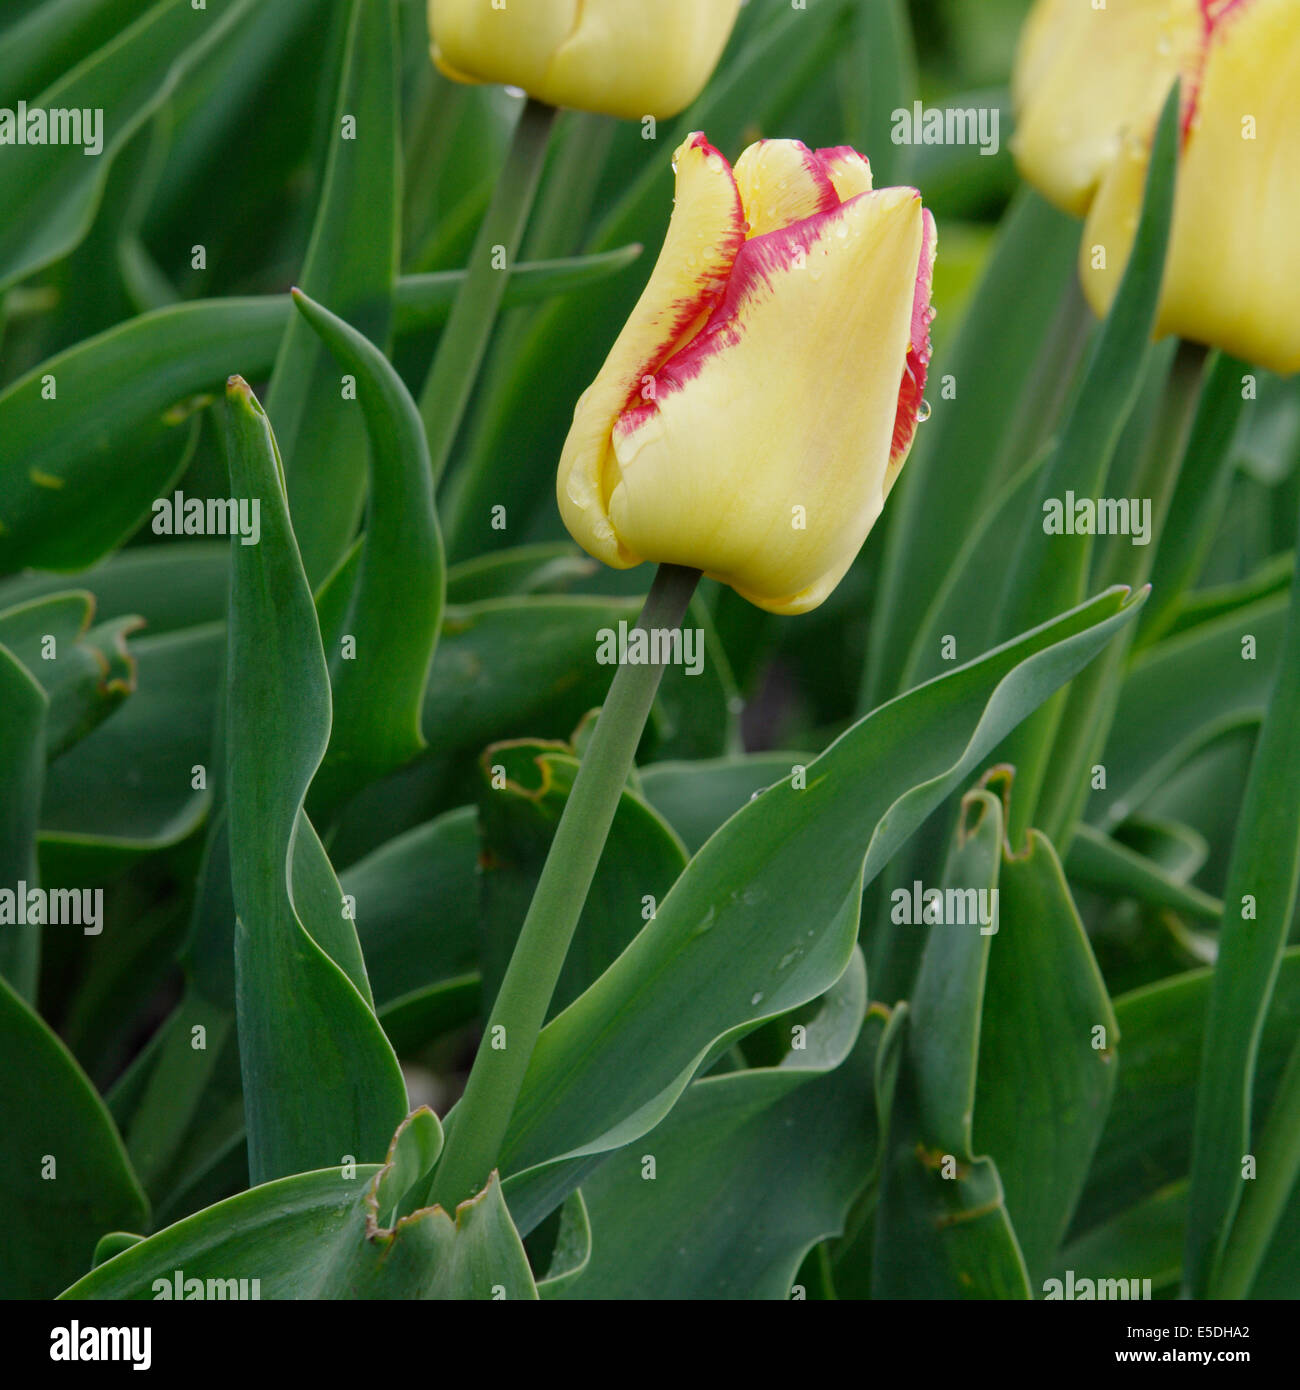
<point>648,653</point>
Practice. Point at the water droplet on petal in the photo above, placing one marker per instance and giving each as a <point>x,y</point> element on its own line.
<point>923,412</point>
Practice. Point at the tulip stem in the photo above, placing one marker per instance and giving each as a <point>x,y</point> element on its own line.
<point>478,1124</point>
<point>465,339</point>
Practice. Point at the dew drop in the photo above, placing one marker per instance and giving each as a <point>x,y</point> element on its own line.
<point>756,998</point>
<point>923,412</point>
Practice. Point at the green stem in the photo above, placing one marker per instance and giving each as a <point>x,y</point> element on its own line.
<point>465,339</point>
<point>1277,1165</point>
<point>483,1112</point>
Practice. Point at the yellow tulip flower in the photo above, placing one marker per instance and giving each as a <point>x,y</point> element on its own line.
<point>1088,88</point>
<point>760,403</point>
<point>626,58</point>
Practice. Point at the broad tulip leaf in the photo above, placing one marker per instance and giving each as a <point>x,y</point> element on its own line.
<point>1167,709</point>
<point>169,586</point>
<point>53,39</point>
<point>138,380</point>
<point>695,798</point>
<point>85,673</point>
<point>942,1227</point>
<point>22,772</point>
<point>1200,495</point>
<point>67,1175</point>
<point>1099,862</point>
<point>1258,902</point>
<point>417,906</point>
<point>352,265</point>
<point>395,605</point>
<point>751,1169</point>
<point>340,1233</point>
<point>803,846</point>
<point>50,199</point>
<point>130,786</point>
<point>1045,999</point>
<point>518,667</point>
<point>320,1079</point>
<point>1143,1242</point>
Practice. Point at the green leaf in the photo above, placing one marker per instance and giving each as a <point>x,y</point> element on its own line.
<point>750,1170</point>
<point>323,1082</point>
<point>1049,572</point>
<point>50,199</point>
<point>395,606</point>
<point>136,383</point>
<point>1099,862</point>
<point>1147,1142</point>
<point>417,902</point>
<point>67,1175</point>
<point>942,1228</point>
<point>1045,1000</point>
<point>22,771</point>
<point>1168,710</point>
<point>351,264</point>
<point>801,844</point>
<point>341,1233</point>
<point>1201,493</point>
<point>85,673</point>
<point>129,787</point>
<point>1259,901</point>
<point>695,798</point>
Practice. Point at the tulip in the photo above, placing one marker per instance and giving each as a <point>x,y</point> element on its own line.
<point>625,58</point>
<point>758,406</point>
<point>1089,86</point>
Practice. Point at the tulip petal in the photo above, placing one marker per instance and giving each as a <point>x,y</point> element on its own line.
<point>1234,273</point>
<point>631,59</point>
<point>514,45</point>
<point>704,237</point>
<point>1233,277</point>
<point>848,171</point>
<point>1085,77</point>
<point>782,182</point>
<point>911,395</point>
<point>764,455</point>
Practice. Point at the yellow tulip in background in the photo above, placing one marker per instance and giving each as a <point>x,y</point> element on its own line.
<point>629,58</point>
<point>761,400</point>
<point>1088,88</point>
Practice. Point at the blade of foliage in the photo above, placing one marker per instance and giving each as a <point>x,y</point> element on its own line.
<point>341,1233</point>
<point>942,1227</point>
<point>68,1178</point>
<point>395,607</point>
<point>324,1082</point>
<point>749,1170</point>
<point>352,265</point>
<point>50,199</point>
<point>801,843</point>
<point>22,772</point>
<point>1259,901</point>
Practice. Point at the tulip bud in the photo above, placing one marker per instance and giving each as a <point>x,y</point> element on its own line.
<point>762,398</point>
<point>1088,89</point>
<point>624,58</point>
